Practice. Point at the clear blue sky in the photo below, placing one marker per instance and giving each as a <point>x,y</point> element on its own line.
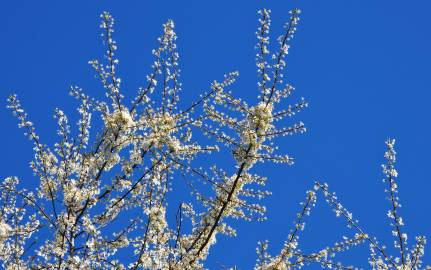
<point>364,67</point>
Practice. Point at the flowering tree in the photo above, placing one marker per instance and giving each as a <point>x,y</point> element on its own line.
<point>102,194</point>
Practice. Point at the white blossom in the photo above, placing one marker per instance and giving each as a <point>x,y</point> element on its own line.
<point>98,195</point>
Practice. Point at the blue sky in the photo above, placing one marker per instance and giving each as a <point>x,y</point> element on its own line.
<point>363,66</point>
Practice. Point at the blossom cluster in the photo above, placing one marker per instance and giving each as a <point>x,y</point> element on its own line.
<point>98,197</point>
<point>86,186</point>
